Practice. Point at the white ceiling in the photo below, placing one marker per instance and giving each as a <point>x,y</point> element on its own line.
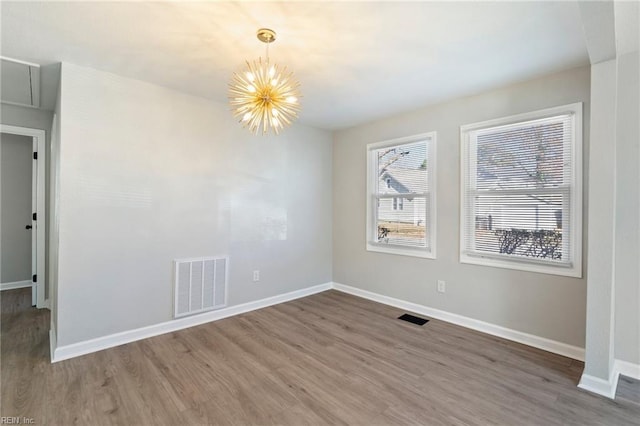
<point>356,61</point>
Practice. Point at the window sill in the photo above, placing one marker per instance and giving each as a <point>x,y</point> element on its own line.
<point>565,271</point>
<point>401,251</point>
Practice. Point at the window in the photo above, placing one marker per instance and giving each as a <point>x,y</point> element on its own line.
<point>398,204</point>
<point>401,196</point>
<point>522,192</point>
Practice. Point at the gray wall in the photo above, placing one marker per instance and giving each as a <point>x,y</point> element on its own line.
<point>15,207</point>
<point>549,306</point>
<point>148,175</point>
<point>627,212</point>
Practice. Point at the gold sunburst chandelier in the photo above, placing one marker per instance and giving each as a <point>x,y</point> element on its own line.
<point>264,96</point>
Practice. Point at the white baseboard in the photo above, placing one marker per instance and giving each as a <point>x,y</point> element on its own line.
<point>15,284</point>
<point>609,387</point>
<point>606,388</point>
<point>560,348</point>
<point>82,348</point>
<point>52,343</point>
<point>627,369</point>
<point>593,384</point>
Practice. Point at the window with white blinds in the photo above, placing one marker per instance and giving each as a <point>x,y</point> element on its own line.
<point>401,196</point>
<point>522,192</point>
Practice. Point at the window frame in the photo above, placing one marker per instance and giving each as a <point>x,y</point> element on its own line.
<point>574,216</point>
<point>371,233</point>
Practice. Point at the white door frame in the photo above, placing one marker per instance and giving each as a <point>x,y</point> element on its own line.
<point>38,202</point>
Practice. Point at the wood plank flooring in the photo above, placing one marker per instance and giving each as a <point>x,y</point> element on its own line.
<point>330,358</point>
<point>628,390</point>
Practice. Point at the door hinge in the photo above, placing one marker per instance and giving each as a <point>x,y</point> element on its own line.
<point>35,216</point>
<point>35,155</point>
<point>35,278</point>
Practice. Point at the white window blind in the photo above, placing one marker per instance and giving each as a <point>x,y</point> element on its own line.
<point>521,195</point>
<point>401,196</point>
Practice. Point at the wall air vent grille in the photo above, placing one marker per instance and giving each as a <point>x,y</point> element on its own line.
<point>200,285</point>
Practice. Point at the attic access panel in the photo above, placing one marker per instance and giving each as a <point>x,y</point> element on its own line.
<point>19,83</point>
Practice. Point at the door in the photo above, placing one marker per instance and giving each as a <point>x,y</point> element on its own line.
<point>16,208</point>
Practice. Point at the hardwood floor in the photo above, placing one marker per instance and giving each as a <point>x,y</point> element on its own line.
<point>629,390</point>
<point>330,358</point>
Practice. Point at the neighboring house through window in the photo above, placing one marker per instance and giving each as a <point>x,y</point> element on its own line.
<point>401,196</point>
<point>522,192</point>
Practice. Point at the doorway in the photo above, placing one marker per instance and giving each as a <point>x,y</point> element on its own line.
<point>22,211</point>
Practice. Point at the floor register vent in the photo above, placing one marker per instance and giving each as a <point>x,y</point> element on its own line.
<point>200,285</point>
<point>413,319</point>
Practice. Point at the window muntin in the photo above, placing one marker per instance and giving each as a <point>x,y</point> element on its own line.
<point>521,196</point>
<point>400,201</point>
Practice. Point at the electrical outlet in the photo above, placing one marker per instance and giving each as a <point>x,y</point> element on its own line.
<point>256,276</point>
<point>441,286</point>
